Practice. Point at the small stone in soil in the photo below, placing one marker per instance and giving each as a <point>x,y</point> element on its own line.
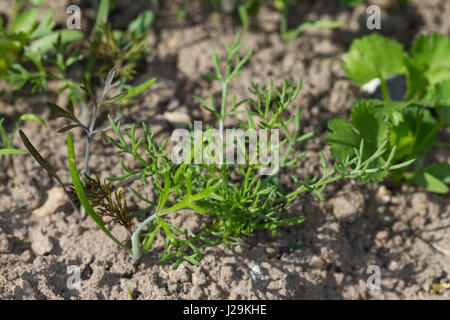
<point>383,194</point>
<point>55,199</point>
<point>317,262</point>
<point>40,243</point>
<point>344,209</point>
<point>198,278</point>
<point>255,270</point>
<point>5,243</point>
<point>178,119</point>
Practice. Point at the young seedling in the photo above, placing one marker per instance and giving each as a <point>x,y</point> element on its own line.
<point>122,49</point>
<point>409,125</point>
<point>248,8</point>
<point>290,34</point>
<point>7,147</point>
<point>52,53</point>
<point>234,199</point>
<point>27,40</point>
<point>26,34</point>
<point>99,102</point>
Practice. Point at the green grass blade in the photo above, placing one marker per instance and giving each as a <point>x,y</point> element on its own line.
<point>134,91</point>
<point>37,156</point>
<point>29,116</point>
<point>11,151</point>
<point>292,34</point>
<point>78,185</point>
<point>243,15</point>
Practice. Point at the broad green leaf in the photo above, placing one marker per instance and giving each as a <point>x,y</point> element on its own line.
<point>373,130</point>
<point>440,171</point>
<point>427,181</point>
<point>402,136</point>
<point>9,49</point>
<point>426,133</point>
<point>373,56</point>
<point>439,97</point>
<point>342,138</point>
<point>433,52</point>
<point>47,42</point>
<point>45,26</point>
<point>413,140</point>
<point>26,21</point>
<point>416,79</point>
<point>140,26</point>
<point>345,137</point>
<point>390,110</point>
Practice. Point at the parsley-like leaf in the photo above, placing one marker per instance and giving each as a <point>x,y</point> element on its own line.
<point>364,125</point>
<point>372,57</point>
<point>433,52</point>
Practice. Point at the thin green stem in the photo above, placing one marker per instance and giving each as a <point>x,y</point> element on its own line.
<point>385,90</point>
<point>316,185</point>
<point>223,107</point>
<point>15,12</point>
<point>283,22</point>
<point>136,253</point>
<point>102,15</point>
<point>87,154</point>
<point>287,153</point>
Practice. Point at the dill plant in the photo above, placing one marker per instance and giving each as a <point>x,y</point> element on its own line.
<point>99,102</point>
<point>233,199</point>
